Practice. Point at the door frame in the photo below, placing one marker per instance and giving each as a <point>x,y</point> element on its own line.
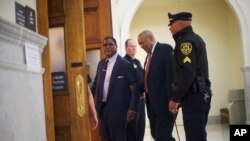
<point>43,29</point>
<point>76,42</point>
<point>105,26</point>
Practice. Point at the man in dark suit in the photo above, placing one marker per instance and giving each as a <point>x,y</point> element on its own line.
<point>116,96</point>
<point>157,85</point>
<point>136,127</point>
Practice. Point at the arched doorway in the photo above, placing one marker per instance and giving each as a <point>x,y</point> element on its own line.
<point>217,21</point>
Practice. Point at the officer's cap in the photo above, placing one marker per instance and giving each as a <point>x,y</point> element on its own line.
<point>184,16</point>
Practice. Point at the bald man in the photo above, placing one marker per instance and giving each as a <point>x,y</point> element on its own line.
<point>157,85</point>
<point>136,127</point>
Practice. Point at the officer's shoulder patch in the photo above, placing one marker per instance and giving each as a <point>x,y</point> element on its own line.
<point>186,48</point>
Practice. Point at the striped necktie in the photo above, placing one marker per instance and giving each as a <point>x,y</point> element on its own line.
<point>149,57</point>
<point>102,79</point>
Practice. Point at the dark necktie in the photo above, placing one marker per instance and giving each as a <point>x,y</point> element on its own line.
<point>146,71</point>
<point>102,79</point>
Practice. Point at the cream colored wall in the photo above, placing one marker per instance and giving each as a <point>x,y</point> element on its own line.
<point>7,8</point>
<point>236,51</point>
<point>122,11</point>
<point>218,26</point>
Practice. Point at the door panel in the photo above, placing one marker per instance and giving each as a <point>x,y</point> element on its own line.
<point>63,133</point>
<point>61,103</point>
<point>43,29</point>
<point>98,24</point>
<point>97,16</point>
<point>81,20</point>
<point>69,124</point>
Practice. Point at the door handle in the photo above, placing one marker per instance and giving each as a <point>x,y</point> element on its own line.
<point>80,99</point>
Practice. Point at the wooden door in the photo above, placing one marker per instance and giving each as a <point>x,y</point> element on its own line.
<point>98,24</point>
<point>68,67</point>
<point>81,24</point>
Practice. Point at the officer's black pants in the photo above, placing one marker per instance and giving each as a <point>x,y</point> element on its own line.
<point>195,113</point>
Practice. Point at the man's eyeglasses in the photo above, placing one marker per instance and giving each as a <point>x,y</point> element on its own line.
<point>108,45</point>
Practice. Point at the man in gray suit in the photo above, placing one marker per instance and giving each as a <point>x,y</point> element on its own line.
<point>116,95</point>
<point>158,78</point>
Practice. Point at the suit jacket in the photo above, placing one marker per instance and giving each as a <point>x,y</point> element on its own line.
<point>160,78</point>
<point>139,72</point>
<point>120,98</point>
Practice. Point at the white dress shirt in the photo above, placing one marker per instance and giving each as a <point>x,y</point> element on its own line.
<point>152,51</point>
<point>110,67</point>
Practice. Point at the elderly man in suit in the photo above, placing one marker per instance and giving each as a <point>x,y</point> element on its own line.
<point>157,85</point>
<point>116,95</point>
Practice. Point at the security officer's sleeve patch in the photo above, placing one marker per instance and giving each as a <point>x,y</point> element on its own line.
<point>186,48</point>
<point>187,60</point>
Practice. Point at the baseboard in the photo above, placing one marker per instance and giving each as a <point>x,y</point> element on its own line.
<point>214,120</point>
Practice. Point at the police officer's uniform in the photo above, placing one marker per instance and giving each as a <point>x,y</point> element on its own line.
<point>191,80</point>
<point>136,127</point>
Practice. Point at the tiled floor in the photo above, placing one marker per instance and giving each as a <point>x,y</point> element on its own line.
<point>215,132</point>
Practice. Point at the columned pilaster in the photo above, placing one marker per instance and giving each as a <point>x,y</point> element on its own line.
<point>247,93</point>
<point>241,11</point>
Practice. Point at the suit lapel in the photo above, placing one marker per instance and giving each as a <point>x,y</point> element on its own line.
<point>99,74</point>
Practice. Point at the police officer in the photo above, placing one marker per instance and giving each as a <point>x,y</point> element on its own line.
<point>136,127</point>
<point>191,88</point>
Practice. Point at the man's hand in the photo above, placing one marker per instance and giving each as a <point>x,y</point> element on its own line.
<point>143,96</point>
<point>130,115</point>
<point>173,106</point>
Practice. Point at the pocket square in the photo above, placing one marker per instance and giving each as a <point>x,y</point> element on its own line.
<point>135,66</point>
<point>120,77</point>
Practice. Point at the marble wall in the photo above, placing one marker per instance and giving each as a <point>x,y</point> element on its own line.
<point>22,115</point>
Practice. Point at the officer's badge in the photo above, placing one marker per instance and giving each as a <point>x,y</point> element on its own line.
<point>187,60</point>
<point>186,48</point>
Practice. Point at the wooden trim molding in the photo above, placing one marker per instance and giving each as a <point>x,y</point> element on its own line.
<point>43,29</point>
<point>15,37</point>
<point>14,33</point>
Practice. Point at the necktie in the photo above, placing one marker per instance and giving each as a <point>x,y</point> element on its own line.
<point>102,79</point>
<point>146,71</point>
